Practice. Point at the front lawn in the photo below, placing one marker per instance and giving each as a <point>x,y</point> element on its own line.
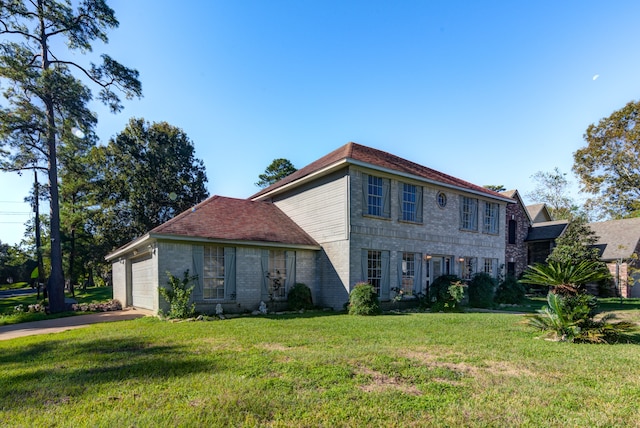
<point>317,369</point>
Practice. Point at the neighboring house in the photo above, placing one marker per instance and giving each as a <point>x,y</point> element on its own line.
<point>619,245</point>
<point>518,222</point>
<point>355,215</point>
<point>539,213</point>
<point>541,239</point>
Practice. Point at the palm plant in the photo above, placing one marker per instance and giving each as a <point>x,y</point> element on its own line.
<point>565,277</point>
<point>571,319</point>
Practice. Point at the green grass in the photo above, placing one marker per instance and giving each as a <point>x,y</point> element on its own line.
<point>418,369</point>
<point>7,305</point>
<point>13,286</point>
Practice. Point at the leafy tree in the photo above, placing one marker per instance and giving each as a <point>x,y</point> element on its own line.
<point>146,175</point>
<point>42,92</point>
<point>495,187</point>
<point>551,189</point>
<point>609,167</point>
<point>566,277</point>
<point>277,170</point>
<point>576,243</point>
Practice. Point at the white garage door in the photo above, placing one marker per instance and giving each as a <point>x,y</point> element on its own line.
<point>143,289</point>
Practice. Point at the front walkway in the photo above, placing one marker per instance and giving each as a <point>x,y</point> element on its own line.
<point>57,325</point>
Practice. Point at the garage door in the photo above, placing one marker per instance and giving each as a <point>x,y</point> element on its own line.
<point>143,289</point>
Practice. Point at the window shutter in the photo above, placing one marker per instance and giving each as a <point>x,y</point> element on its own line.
<point>264,264</point>
<point>365,194</point>
<point>197,252</point>
<point>419,204</point>
<point>229,273</point>
<point>386,276</point>
<point>291,270</point>
<point>386,197</point>
<point>417,279</point>
<point>365,263</point>
<point>399,275</point>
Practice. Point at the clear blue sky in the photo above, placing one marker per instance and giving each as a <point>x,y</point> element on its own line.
<point>488,91</point>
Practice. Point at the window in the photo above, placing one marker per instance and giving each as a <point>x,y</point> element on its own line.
<point>374,196</point>
<point>408,273</point>
<point>490,266</point>
<point>410,202</point>
<point>491,214</point>
<point>442,200</point>
<point>467,267</point>
<point>468,213</point>
<point>376,192</point>
<point>374,269</point>
<point>213,273</point>
<point>277,274</point>
<point>512,231</point>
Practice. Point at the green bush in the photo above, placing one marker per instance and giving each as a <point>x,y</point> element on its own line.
<point>178,295</point>
<point>299,297</point>
<point>363,300</point>
<point>446,293</point>
<point>481,290</point>
<point>510,291</point>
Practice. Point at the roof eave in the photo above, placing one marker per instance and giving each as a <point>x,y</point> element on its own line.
<point>234,242</point>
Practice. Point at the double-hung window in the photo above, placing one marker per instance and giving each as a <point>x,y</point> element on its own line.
<point>468,268</point>
<point>213,273</point>
<point>376,191</point>
<point>491,218</point>
<point>374,269</point>
<point>490,266</point>
<point>468,213</point>
<point>277,274</point>
<point>410,202</point>
<point>408,273</point>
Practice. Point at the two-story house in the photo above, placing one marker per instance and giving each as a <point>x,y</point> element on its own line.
<point>355,215</point>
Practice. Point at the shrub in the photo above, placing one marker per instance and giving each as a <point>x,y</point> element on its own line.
<point>178,295</point>
<point>481,290</point>
<point>363,300</point>
<point>446,293</point>
<point>510,292</point>
<point>299,297</point>
<point>570,319</point>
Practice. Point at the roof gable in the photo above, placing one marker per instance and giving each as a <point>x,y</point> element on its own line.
<point>356,154</point>
<point>230,219</point>
<point>539,213</point>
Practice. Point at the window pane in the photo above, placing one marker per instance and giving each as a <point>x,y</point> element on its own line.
<point>277,274</point>
<point>408,273</point>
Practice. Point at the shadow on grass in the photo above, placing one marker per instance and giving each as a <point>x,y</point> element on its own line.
<point>79,366</point>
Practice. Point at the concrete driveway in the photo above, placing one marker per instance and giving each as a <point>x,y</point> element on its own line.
<point>68,323</point>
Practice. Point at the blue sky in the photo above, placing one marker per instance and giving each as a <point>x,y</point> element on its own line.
<point>488,91</point>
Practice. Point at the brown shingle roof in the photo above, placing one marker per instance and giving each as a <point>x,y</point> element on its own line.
<point>356,153</point>
<point>221,218</point>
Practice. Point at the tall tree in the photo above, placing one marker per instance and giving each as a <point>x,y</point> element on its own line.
<point>551,189</point>
<point>609,166</point>
<point>277,170</point>
<point>146,175</point>
<point>42,91</point>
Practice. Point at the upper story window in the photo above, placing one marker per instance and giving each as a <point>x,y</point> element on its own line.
<point>410,202</point>
<point>376,196</point>
<point>512,231</point>
<point>442,199</point>
<point>468,213</point>
<point>491,217</point>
